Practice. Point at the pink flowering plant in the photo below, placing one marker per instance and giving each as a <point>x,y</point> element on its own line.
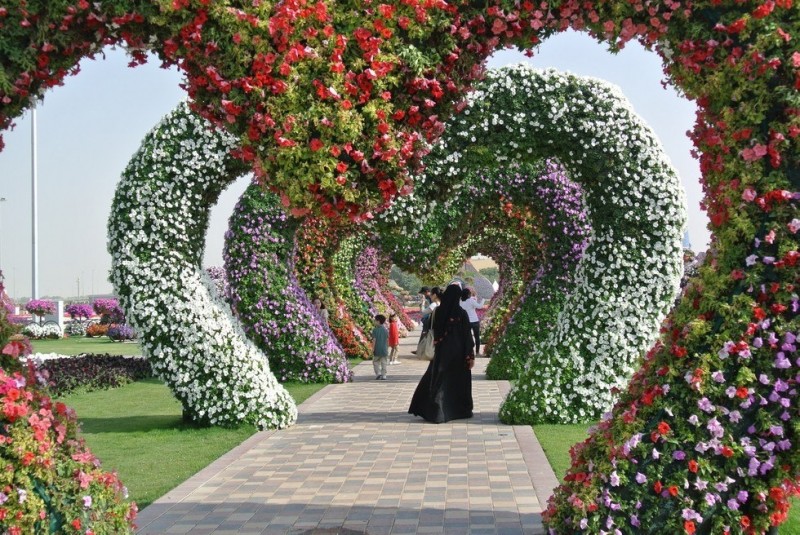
<point>80,311</point>
<point>52,483</point>
<point>40,307</point>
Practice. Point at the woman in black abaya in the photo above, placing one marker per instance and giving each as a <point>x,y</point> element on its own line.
<point>445,391</point>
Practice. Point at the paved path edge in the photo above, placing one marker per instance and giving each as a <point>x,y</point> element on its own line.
<point>542,476</point>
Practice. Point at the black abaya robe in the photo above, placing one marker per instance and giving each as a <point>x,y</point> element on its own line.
<point>445,391</point>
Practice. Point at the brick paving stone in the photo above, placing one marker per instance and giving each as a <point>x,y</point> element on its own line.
<point>357,463</point>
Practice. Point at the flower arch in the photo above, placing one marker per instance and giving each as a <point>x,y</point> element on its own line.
<point>632,262</point>
<point>291,80</point>
<point>156,238</point>
<point>264,293</point>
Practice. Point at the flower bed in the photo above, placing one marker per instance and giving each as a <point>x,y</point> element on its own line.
<point>52,483</point>
<point>63,374</point>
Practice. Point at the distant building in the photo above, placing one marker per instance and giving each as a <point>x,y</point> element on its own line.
<point>687,244</point>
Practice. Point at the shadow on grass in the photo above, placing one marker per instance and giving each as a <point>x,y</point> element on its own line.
<point>136,424</point>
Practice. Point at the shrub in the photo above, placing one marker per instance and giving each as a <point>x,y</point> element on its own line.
<point>93,372</point>
<point>75,328</point>
<point>120,333</point>
<point>96,329</point>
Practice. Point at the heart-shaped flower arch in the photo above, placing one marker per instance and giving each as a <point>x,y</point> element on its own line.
<point>630,269</point>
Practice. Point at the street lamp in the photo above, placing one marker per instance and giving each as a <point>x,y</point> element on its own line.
<point>34,208</point>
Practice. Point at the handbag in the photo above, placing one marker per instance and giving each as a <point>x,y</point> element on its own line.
<point>425,347</point>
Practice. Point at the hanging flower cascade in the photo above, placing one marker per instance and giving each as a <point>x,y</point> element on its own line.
<point>630,269</point>
<point>371,279</point>
<point>566,232</point>
<point>264,294</point>
<point>156,239</point>
<point>316,241</point>
<point>345,283</point>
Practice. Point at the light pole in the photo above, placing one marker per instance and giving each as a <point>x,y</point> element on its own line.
<point>34,208</point>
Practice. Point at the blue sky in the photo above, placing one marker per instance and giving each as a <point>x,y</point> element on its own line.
<point>89,128</point>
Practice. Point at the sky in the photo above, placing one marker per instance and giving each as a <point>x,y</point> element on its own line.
<point>89,129</point>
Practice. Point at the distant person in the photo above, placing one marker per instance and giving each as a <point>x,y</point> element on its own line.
<point>394,339</point>
<point>435,297</point>
<point>471,305</point>
<point>445,391</point>
<point>425,300</point>
<point>380,348</point>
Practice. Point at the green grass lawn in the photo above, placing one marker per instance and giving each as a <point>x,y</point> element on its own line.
<point>138,431</point>
<point>76,345</point>
<point>556,441</point>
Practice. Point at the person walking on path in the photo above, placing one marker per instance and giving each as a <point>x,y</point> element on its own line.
<point>471,305</point>
<point>394,339</point>
<point>445,391</point>
<point>380,349</point>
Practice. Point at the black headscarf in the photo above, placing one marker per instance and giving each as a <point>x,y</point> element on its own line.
<point>449,308</point>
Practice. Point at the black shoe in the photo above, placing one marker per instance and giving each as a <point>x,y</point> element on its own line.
<point>413,352</point>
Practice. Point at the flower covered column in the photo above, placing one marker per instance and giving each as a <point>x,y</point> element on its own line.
<point>275,311</point>
<point>156,239</point>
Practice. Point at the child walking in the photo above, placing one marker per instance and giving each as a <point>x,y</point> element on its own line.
<point>380,350</point>
<point>394,339</point>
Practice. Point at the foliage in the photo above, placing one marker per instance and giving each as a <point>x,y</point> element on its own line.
<point>492,273</point>
<point>64,374</point>
<point>266,297</point>
<point>189,335</point>
<point>407,281</point>
<point>6,328</point>
<point>362,84</point>
<point>97,329</point>
<point>121,333</point>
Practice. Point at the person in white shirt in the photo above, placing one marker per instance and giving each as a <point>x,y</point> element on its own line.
<point>471,305</point>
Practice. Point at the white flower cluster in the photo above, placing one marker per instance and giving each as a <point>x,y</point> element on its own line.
<point>631,268</point>
<point>37,332</point>
<point>156,239</point>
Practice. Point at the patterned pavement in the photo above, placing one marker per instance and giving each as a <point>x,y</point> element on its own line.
<point>357,463</point>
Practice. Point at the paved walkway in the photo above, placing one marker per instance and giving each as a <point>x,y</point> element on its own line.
<point>357,463</point>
